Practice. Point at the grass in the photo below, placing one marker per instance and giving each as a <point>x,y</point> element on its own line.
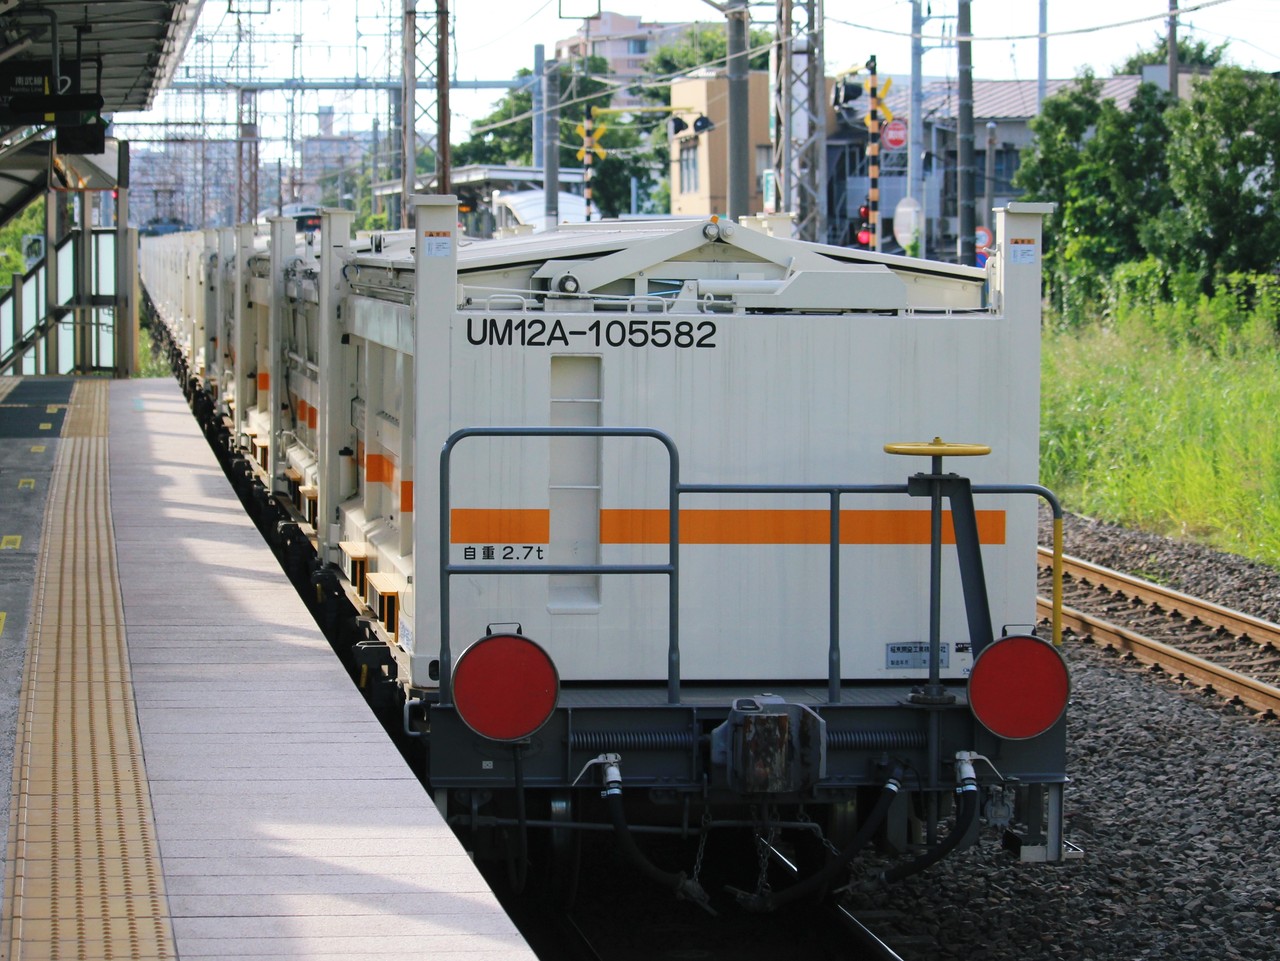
<point>1170,432</point>
<point>153,363</point>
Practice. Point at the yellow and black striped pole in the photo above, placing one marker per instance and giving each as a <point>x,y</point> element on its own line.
<point>590,133</point>
<point>873,155</point>
<point>588,148</point>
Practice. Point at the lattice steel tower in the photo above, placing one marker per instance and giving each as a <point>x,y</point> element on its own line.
<point>424,120</point>
<point>799,117</point>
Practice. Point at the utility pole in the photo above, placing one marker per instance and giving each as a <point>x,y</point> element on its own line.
<point>375,204</point>
<point>538,89</point>
<point>964,136</point>
<point>408,108</point>
<point>444,179</point>
<point>551,145</point>
<point>1042,78</point>
<point>915,159</point>
<point>737,16</point>
<point>989,203</point>
<point>1172,42</point>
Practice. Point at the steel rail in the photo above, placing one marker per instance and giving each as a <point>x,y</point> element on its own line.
<point>870,946</point>
<point>1226,682</point>
<point>1166,599</point>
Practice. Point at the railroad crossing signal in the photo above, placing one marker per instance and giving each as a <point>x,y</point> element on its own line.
<point>596,134</point>
<point>882,109</point>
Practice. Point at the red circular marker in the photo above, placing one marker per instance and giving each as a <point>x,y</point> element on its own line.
<point>1019,687</point>
<point>505,687</point>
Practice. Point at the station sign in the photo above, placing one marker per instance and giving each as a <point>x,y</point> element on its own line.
<point>30,94</point>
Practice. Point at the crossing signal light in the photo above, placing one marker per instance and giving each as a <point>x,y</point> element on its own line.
<point>678,125</point>
<point>864,236</point>
<point>845,91</point>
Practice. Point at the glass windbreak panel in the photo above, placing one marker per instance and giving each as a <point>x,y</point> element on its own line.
<point>105,326</point>
<point>6,324</point>
<point>104,264</point>
<point>66,347</point>
<point>32,307</point>
<point>66,271</point>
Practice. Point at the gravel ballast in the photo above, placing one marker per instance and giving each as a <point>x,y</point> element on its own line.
<point>1173,799</point>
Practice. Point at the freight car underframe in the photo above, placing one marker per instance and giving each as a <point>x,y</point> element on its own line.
<point>680,765</point>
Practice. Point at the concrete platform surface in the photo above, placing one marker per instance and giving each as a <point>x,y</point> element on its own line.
<point>195,776</point>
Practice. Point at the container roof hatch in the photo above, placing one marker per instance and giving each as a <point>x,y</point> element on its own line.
<point>721,261</point>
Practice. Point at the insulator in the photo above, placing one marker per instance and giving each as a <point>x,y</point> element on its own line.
<point>875,740</point>
<point>632,741</point>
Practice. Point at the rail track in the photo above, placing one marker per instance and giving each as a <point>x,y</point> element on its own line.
<point>1234,654</point>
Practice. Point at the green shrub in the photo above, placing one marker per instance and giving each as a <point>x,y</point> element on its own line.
<point>1158,414</point>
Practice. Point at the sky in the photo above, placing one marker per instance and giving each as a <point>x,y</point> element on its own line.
<point>856,29</point>
<point>495,38</point>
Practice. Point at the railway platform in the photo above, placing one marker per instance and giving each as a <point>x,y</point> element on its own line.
<point>194,774</point>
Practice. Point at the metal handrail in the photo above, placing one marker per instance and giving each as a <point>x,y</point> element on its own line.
<point>834,492</point>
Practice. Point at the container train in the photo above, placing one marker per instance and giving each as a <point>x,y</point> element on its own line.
<point>657,527</point>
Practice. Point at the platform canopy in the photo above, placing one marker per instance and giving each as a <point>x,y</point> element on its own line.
<point>124,51</point>
<point>137,42</point>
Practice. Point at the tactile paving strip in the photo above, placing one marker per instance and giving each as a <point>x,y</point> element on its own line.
<point>83,878</point>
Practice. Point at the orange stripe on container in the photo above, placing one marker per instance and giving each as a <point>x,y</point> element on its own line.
<point>788,527</point>
<point>474,526</point>
<point>912,527</point>
<point>302,410</point>
<point>264,380</point>
<point>312,415</point>
<point>406,497</point>
<point>378,469</point>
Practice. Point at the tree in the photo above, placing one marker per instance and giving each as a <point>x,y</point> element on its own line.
<point>1224,170</point>
<point>1105,168</point>
<point>505,136</point>
<point>12,259</point>
<point>702,45</point>
<point>1056,169</point>
<point>1130,146</point>
<point>1191,53</point>
<point>1192,185</point>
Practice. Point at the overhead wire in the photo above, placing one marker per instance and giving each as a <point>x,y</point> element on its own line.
<point>1181,11</point>
<point>663,81</point>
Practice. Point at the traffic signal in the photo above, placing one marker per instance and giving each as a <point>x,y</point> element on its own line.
<point>702,125</point>
<point>864,235</point>
<point>678,126</point>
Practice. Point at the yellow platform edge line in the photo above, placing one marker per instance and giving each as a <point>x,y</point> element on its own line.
<point>77,627</point>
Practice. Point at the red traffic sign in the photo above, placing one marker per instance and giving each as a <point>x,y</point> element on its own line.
<point>894,135</point>
<point>982,239</point>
